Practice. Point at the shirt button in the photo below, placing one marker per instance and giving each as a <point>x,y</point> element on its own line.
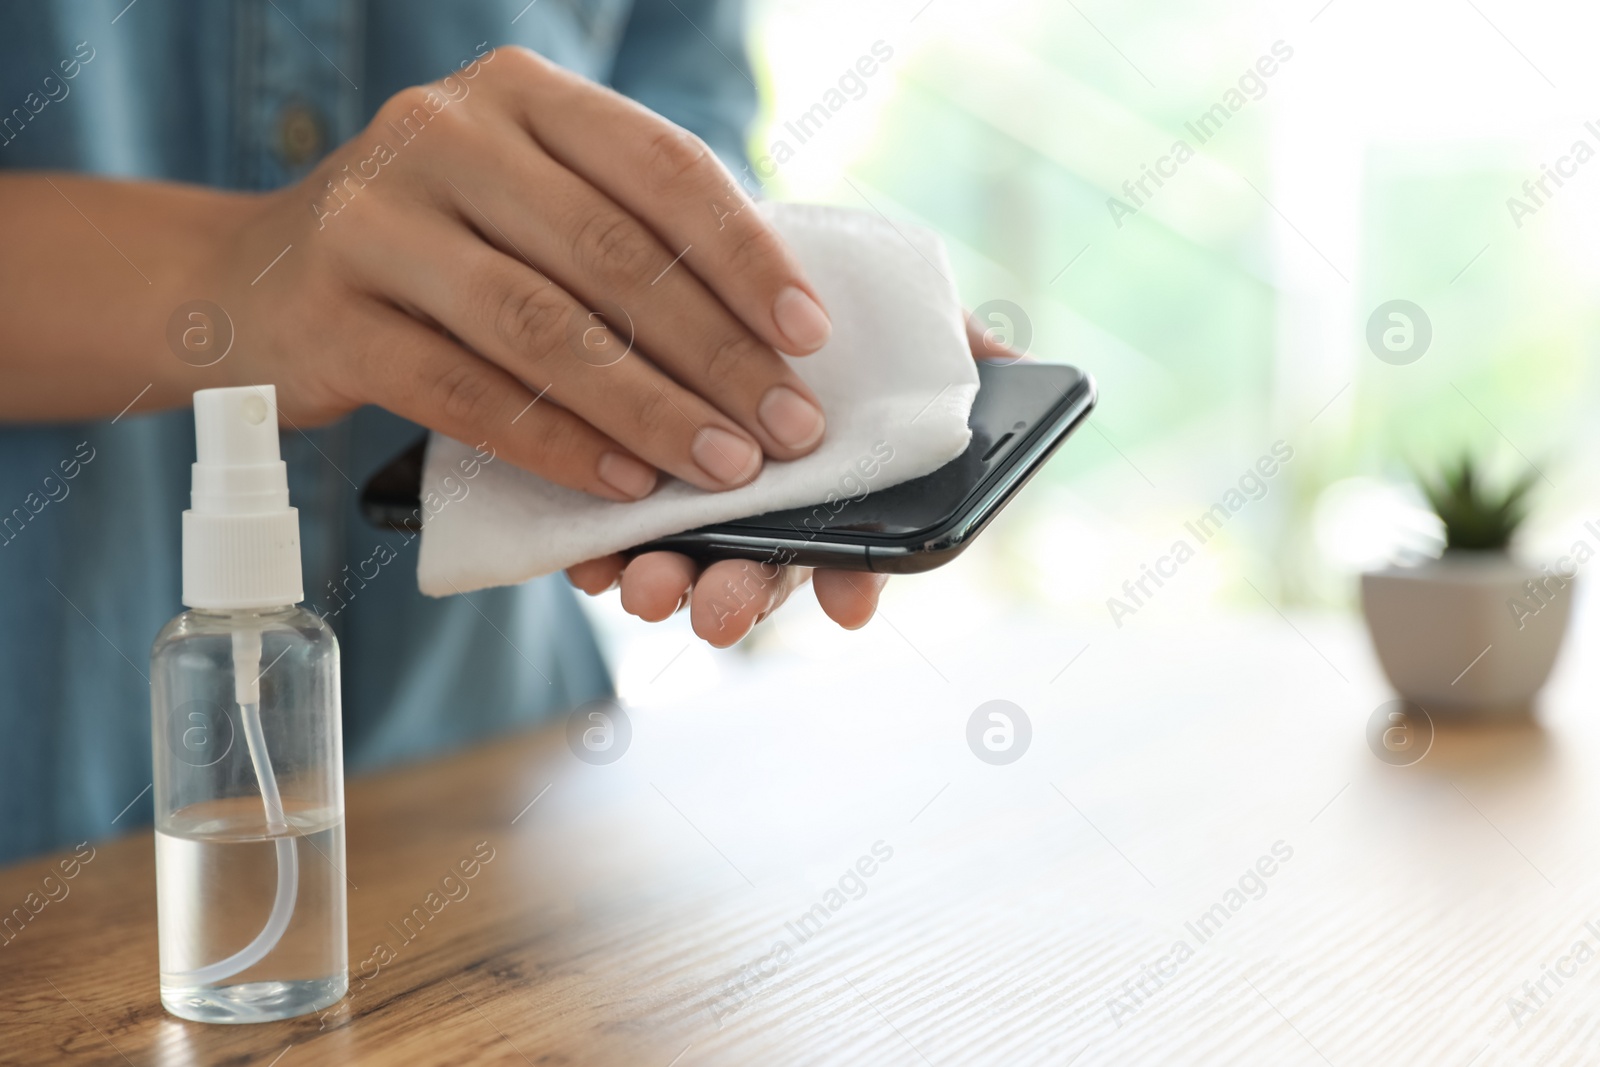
<point>300,136</point>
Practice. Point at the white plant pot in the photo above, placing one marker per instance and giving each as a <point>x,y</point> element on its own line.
<point>1451,638</point>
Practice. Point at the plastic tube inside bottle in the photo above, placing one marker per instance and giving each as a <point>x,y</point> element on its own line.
<point>247,690</point>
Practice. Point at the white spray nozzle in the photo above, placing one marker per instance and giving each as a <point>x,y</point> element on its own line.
<point>237,426</point>
<point>237,469</point>
<point>241,539</point>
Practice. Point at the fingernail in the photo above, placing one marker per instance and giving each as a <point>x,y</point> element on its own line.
<point>795,421</point>
<point>725,457</point>
<point>801,319</point>
<point>626,475</point>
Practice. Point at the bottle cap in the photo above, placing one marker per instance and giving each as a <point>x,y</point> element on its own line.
<point>241,539</point>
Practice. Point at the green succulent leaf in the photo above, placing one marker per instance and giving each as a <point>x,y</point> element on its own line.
<point>1477,516</point>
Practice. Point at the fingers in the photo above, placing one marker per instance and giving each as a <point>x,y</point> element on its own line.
<point>596,576</point>
<point>529,326</point>
<point>986,344</point>
<point>725,602</point>
<point>420,375</point>
<point>669,179</point>
<point>733,595</point>
<point>609,261</point>
<point>849,598</point>
<point>656,584</point>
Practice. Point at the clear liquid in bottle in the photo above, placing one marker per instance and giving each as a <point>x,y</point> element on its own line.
<point>223,850</point>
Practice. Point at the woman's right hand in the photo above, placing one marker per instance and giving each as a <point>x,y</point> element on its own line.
<point>448,264</point>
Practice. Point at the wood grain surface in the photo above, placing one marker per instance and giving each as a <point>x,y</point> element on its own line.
<point>1198,860</point>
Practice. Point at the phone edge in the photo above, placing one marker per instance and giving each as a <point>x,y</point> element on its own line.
<point>930,549</point>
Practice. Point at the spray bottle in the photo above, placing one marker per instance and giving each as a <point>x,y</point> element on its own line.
<point>249,779</point>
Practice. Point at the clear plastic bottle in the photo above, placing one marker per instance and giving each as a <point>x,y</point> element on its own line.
<point>249,781</point>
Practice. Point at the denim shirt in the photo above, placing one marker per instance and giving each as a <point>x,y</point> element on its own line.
<point>249,95</point>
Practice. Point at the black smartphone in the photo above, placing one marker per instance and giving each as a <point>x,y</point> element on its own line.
<point>1021,415</point>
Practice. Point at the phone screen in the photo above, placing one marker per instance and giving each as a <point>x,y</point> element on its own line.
<point>1012,401</point>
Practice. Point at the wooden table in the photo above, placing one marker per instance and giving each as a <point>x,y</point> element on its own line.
<point>683,905</point>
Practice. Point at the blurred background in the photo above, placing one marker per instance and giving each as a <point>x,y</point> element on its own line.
<point>1229,310</point>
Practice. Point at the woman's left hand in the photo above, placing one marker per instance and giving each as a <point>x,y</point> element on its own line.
<point>728,598</point>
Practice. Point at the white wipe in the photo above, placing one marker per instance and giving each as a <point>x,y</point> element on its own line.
<point>897,371</point>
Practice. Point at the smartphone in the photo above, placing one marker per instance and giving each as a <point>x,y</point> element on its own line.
<point>1021,415</point>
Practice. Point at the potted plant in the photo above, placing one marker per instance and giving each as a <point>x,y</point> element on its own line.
<point>1475,632</point>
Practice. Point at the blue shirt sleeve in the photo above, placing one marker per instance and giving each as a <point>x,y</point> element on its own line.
<point>687,60</point>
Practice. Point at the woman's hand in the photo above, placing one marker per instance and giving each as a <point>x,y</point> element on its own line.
<point>448,264</point>
<point>517,256</point>
<point>728,598</point>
